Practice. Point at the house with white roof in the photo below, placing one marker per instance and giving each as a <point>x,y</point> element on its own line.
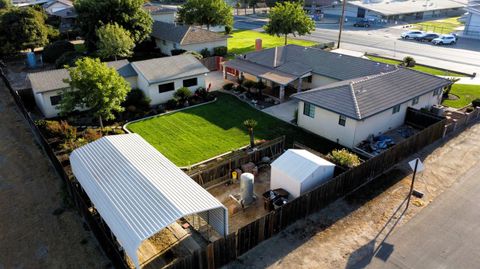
<point>157,78</point>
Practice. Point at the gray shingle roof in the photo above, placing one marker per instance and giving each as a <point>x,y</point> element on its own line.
<point>53,79</point>
<point>184,34</point>
<point>363,97</point>
<point>296,60</point>
<point>169,68</point>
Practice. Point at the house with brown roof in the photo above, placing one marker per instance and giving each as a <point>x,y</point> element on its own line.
<point>172,36</point>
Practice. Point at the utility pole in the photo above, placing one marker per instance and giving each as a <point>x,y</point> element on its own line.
<point>342,19</point>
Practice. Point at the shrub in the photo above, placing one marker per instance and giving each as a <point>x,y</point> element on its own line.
<point>182,94</point>
<point>54,50</point>
<point>171,104</point>
<point>249,84</point>
<point>91,134</point>
<point>68,58</point>
<point>409,61</point>
<point>470,109</point>
<point>137,99</point>
<point>205,53</point>
<point>201,93</point>
<point>177,52</point>
<point>220,51</point>
<point>228,86</point>
<point>344,158</point>
<point>476,102</point>
<point>228,29</point>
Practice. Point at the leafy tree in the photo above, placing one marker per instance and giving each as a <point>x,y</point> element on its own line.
<point>446,92</point>
<point>206,12</point>
<point>23,28</point>
<point>4,4</point>
<point>92,14</point>
<point>113,41</point>
<point>94,86</point>
<point>289,18</point>
<point>250,124</point>
<point>54,50</point>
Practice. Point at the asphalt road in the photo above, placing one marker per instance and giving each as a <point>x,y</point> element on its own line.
<point>443,235</point>
<point>464,56</point>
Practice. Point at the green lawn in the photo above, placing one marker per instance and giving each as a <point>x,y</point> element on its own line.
<point>244,41</point>
<point>193,135</point>
<point>429,70</point>
<point>442,26</point>
<point>80,48</point>
<point>466,94</point>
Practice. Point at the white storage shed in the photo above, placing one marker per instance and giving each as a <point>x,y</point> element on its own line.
<point>298,171</point>
<point>138,192</point>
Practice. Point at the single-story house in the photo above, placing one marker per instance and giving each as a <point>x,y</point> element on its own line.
<point>57,5</point>
<point>399,10</point>
<point>292,68</point>
<point>472,23</point>
<point>172,36</point>
<point>65,11</point>
<point>348,112</point>
<point>161,13</point>
<point>138,192</point>
<point>157,78</point>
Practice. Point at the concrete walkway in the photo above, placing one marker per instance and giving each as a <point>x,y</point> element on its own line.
<point>284,111</point>
<point>216,79</point>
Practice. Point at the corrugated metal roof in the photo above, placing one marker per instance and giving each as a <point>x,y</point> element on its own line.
<point>138,191</point>
<point>366,96</point>
<point>299,164</point>
<point>169,68</point>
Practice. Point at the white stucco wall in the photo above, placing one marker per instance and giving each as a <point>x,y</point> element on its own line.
<point>167,46</point>
<point>325,122</point>
<point>151,90</point>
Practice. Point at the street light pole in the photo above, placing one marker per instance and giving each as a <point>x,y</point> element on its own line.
<point>342,19</point>
<point>413,182</point>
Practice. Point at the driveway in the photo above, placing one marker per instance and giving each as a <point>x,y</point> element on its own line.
<point>215,78</point>
<point>444,235</point>
<point>35,229</point>
<point>284,111</point>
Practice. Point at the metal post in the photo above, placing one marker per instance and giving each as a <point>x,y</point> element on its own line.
<point>342,19</point>
<point>413,182</point>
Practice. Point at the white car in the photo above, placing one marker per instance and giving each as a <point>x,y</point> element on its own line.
<point>445,40</point>
<point>412,34</point>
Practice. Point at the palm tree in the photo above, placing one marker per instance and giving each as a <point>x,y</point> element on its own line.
<point>250,124</point>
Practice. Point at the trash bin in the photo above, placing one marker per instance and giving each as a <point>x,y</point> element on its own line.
<point>268,198</point>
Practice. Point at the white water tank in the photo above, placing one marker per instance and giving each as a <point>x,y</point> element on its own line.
<point>246,188</point>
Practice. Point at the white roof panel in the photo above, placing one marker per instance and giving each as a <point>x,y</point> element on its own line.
<point>138,191</point>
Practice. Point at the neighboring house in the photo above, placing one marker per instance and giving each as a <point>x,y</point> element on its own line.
<point>65,11</point>
<point>159,78</point>
<point>47,86</point>
<point>295,68</point>
<point>392,10</point>
<point>160,13</point>
<point>472,23</point>
<point>172,36</point>
<point>349,111</point>
<point>57,5</point>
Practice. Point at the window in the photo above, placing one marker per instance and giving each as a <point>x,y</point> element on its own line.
<point>55,100</point>
<point>190,82</point>
<point>415,100</point>
<point>341,120</point>
<point>309,110</point>
<point>166,87</point>
<point>396,109</point>
<point>436,92</point>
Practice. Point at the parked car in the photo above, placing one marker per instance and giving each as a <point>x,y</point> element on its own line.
<point>411,34</point>
<point>364,24</point>
<point>427,37</point>
<point>445,40</point>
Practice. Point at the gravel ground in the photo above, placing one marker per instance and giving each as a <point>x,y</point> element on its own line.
<point>31,236</point>
<point>343,234</point>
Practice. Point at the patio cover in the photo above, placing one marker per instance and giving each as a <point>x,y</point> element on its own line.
<point>138,191</point>
<point>261,71</point>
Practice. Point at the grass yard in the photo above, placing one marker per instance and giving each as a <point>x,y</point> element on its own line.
<point>441,26</point>
<point>466,94</point>
<point>244,41</point>
<point>193,135</point>
<point>429,70</point>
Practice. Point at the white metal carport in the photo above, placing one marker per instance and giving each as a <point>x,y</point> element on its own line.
<point>138,191</point>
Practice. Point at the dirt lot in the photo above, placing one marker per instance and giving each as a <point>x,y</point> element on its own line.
<point>31,235</point>
<point>351,229</point>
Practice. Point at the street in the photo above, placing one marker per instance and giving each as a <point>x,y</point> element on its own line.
<point>385,41</point>
<point>443,235</point>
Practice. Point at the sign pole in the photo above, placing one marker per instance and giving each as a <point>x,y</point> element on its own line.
<point>413,182</point>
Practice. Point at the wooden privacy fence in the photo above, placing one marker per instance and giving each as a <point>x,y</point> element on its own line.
<point>216,171</point>
<point>228,249</point>
<point>420,119</point>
